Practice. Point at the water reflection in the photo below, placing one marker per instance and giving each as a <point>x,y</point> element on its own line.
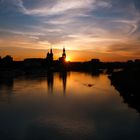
<point>50,82</point>
<point>6,87</point>
<point>8,83</point>
<point>88,112</point>
<point>63,78</point>
<point>58,81</point>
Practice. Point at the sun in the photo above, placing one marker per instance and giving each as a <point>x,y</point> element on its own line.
<point>68,59</point>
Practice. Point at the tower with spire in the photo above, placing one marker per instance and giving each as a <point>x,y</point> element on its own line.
<point>50,55</point>
<point>63,58</point>
<point>64,53</point>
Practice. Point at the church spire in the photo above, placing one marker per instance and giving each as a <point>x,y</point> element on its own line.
<point>50,55</point>
<point>64,52</point>
<point>51,50</point>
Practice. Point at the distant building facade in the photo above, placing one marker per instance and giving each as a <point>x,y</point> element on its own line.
<point>33,62</point>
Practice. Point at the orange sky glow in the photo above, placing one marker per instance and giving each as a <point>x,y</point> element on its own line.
<point>88,29</point>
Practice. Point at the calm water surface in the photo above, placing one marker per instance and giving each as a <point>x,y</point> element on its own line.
<point>73,105</point>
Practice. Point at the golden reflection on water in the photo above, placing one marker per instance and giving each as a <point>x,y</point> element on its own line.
<point>83,87</point>
<point>76,84</point>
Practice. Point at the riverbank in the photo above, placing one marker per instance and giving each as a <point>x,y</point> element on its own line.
<point>127,82</point>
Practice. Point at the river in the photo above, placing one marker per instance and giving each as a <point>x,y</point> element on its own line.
<point>73,105</point>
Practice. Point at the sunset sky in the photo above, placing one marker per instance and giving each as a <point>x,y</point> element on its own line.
<point>104,29</point>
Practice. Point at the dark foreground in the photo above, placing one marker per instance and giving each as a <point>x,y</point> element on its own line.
<point>127,82</point>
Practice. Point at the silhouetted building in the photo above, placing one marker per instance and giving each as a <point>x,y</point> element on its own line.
<point>95,60</point>
<point>137,60</point>
<point>33,62</point>
<point>50,55</point>
<point>130,61</point>
<point>63,58</point>
<point>7,59</point>
<point>64,53</point>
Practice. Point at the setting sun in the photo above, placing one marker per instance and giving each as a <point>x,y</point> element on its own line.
<point>68,59</point>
